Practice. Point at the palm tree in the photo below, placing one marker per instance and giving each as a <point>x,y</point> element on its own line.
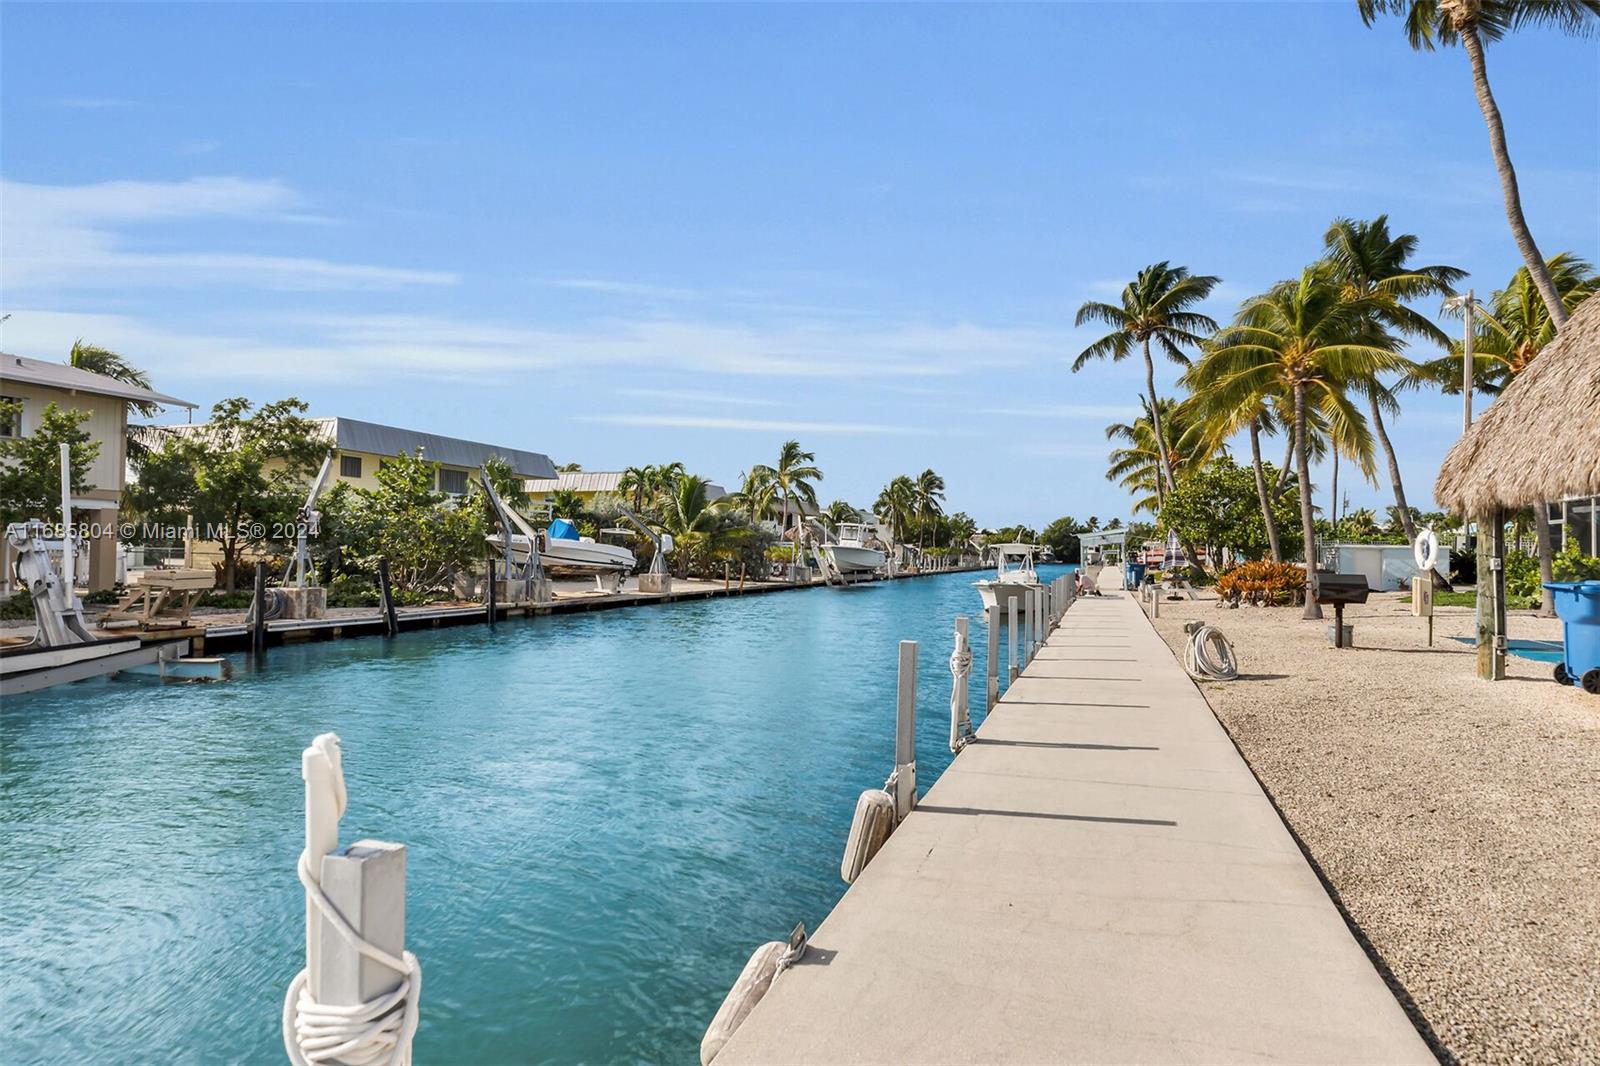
<point>1138,464</point>
<point>756,492</point>
<point>635,479</point>
<point>1513,326</point>
<point>930,494</point>
<point>896,504</point>
<point>564,503</point>
<point>698,526</point>
<point>1306,339</point>
<point>1372,266</point>
<point>793,475</point>
<point>106,363</point>
<point>1509,334</point>
<point>839,512</point>
<point>507,483</point>
<point>1474,23</point>
<point>1155,308</point>
<point>1219,421</point>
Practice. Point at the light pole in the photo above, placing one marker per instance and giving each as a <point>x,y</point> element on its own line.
<point>1466,304</point>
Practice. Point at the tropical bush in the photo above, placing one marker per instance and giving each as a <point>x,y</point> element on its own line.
<point>1263,583</point>
<point>17,606</point>
<point>1572,565</point>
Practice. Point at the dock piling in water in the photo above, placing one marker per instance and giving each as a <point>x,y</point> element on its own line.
<point>1013,667</point>
<point>905,734</point>
<point>991,662</point>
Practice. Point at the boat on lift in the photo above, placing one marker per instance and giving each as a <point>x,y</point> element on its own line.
<point>1015,577</point>
<point>562,548</point>
<point>856,551</point>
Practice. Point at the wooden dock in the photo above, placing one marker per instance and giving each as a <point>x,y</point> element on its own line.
<point>1099,878</point>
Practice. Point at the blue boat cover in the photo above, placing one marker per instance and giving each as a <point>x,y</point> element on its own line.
<point>561,529</point>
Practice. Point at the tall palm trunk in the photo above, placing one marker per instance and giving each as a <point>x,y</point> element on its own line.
<point>1394,471</point>
<point>1547,549</point>
<point>1261,492</point>
<point>1303,471</point>
<point>1508,178</point>
<point>1333,503</point>
<point>1164,481</point>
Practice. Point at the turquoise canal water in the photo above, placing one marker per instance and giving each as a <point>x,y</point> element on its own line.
<point>605,814</point>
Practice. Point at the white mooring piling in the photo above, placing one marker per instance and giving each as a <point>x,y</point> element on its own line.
<point>1013,668</point>
<point>904,777</point>
<point>769,960</point>
<point>991,662</point>
<point>960,691</point>
<point>357,1001</point>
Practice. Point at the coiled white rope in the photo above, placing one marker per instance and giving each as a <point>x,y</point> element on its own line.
<point>1208,656</point>
<point>960,717</point>
<point>378,1031</point>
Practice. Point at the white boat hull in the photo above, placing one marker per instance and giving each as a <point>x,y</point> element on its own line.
<point>584,555</point>
<point>996,593</point>
<point>849,559</point>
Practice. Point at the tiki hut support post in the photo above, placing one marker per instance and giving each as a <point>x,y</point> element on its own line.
<point>1491,598</point>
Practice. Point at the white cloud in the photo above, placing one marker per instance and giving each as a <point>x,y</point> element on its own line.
<point>77,237</point>
<point>759,425</point>
<point>705,396</point>
<point>349,347</point>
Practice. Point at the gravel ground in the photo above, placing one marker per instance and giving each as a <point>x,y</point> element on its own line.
<point>1458,821</point>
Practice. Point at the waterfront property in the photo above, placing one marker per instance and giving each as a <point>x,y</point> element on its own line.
<point>360,449</point>
<point>590,485</point>
<point>37,383</point>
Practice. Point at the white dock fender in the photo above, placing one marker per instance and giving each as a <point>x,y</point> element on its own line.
<point>871,826</point>
<point>770,959</point>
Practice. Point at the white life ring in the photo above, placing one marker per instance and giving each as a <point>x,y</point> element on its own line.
<point>1426,550</point>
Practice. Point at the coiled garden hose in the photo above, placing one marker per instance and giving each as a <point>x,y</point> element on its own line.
<point>1208,655</point>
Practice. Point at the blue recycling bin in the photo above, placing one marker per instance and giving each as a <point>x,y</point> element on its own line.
<point>1577,603</point>
<point>1135,575</point>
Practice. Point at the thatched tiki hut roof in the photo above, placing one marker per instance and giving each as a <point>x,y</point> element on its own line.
<point>1540,440</point>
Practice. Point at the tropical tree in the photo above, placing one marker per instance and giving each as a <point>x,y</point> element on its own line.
<point>896,505</point>
<point>1155,310</point>
<point>1509,333</point>
<point>1374,267</point>
<point>701,529</point>
<point>930,495</point>
<point>1474,23</point>
<point>564,503</point>
<point>30,466</point>
<point>106,363</point>
<point>1514,325</point>
<point>507,483</point>
<point>1218,506</point>
<point>1138,464</point>
<point>839,512</point>
<point>1255,414</point>
<point>793,477</point>
<point>635,480</point>
<point>1306,339</point>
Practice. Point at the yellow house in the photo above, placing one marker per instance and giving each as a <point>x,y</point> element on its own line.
<point>360,448</point>
<point>35,384</point>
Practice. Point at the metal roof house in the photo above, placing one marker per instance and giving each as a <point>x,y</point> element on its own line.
<point>589,484</point>
<point>37,383</point>
<point>361,447</point>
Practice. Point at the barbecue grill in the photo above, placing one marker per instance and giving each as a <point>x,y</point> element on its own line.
<point>1337,590</point>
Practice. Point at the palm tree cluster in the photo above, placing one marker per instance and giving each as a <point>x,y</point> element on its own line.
<point>1320,358</point>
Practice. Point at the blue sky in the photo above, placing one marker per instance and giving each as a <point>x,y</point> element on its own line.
<point>633,234</point>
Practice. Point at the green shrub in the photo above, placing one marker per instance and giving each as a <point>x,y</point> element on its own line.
<point>1263,582</point>
<point>1571,564</point>
<point>353,590</point>
<point>238,600</point>
<point>18,606</point>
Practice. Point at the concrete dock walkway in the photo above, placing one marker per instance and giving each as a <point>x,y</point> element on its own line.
<point>1098,879</point>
